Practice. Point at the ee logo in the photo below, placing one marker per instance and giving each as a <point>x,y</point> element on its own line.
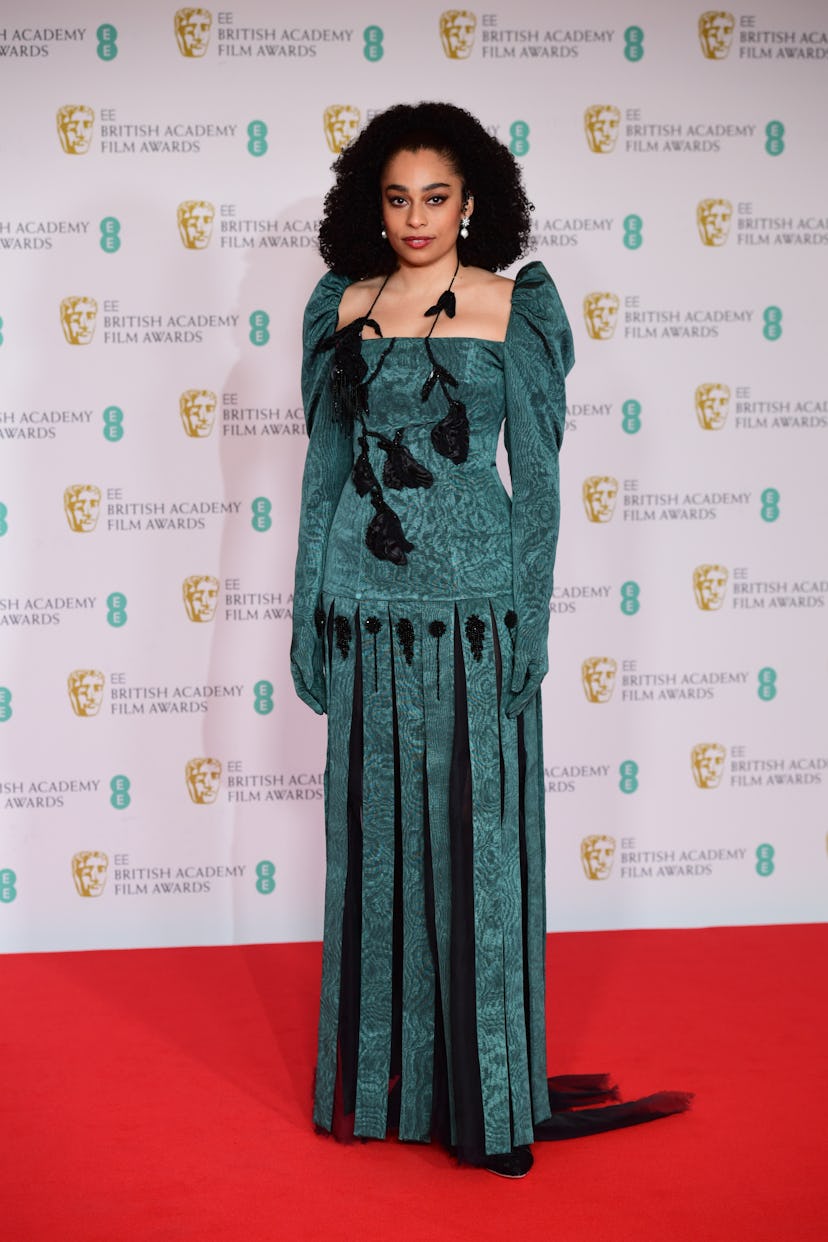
<point>8,879</point>
<point>263,697</point>
<point>767,684</point>
<point>629,776</point>
<point>633,236</point>
<point>265,876</point>
<point>113,419</point>
<point>630,602</point>
<point>774,137</point>
<point>770,504</point>
<point>259,325</point>
<point>107,42</point>
<point>772,320</point>
<point>764,860</point>
<point>373,49</point>
<point>631,422</point>
<point>519,134</point>
<point>634,43</point>
<point>116,614</point>
<point>257,138</point>
<point>261,519</point>
<point>119,795</point>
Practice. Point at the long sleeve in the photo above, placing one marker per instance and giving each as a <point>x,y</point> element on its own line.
<point>329,459</point>
<point>538,356</point>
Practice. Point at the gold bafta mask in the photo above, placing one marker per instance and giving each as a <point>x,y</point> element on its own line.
<point>716,34</point>
<point>192,31</point>
<point>598,676</point>
<point>601,123</point>
<point>597,854</point>
<point>707,761</point>
<point>74,126</point>
<point>198,411</point>
<point>712,406</point>
<point>713,217</point>
<point>599,493</point>
<point>86,691</point>
<point>203,780</point>
<point>195,223</point>
<point>341,124</point>
<point>82,504</point>
<point>77,318</point>
<point>201,592</point>
<point>89,869</point>
<point>709,586</point>
<point>457,27</point>
<point>601,315</point>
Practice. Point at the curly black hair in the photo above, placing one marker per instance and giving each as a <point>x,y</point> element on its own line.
<point>350,239</point>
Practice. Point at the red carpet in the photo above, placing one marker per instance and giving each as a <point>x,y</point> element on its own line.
<point>165,1094</point>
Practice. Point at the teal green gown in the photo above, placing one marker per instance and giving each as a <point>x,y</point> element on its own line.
<point>421,611</point>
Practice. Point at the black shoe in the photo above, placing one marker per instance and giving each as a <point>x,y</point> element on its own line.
<point>514,1163</point>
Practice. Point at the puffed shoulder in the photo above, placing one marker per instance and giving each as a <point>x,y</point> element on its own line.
<point>538,315</point>
<point>322,309</point>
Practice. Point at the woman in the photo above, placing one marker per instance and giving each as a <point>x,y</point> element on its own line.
<point>420,625</point>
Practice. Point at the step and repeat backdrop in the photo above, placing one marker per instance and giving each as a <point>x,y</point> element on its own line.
<point>163,173</point>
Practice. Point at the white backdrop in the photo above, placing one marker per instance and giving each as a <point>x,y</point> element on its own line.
<point>152,441</point>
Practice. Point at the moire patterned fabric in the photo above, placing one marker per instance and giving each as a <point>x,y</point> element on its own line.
<point>434,823</point>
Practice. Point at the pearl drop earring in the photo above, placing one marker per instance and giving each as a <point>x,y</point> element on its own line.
<point>464,227</point>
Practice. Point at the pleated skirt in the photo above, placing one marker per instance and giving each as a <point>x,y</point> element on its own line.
<point>432,1004</point>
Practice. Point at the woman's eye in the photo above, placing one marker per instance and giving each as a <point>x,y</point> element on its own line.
<point>437,199</point>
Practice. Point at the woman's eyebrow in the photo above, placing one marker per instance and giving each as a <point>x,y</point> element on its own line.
<point>435,185</point>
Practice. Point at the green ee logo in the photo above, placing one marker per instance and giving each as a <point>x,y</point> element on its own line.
<point>373,49</point>
<point>257,138</point>
<point>764,860</point>
<point>259,324</point>
<point>113,420</point>
<point>774,137</point>
<point>116,614</point>
<point>107,42</point>
<point>119,792</point>
<point>1,329</point>
<point>631,422</point>
<point>772,319</point>
<point>629,776</point>
<point>634,43</point>
<point>519,133</point>
<point>8,879</point>
<point>261,519</point>
<point>767,684</point>
<point>263,697</point>
<point>110,234</point>
<point>633,236</point>
<point>4,526</point>
<point>770,504</point>
<point>6,712</point>
<point>265,876</point>
<point>630,602</point>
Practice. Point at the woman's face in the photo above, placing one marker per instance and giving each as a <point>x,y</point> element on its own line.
<point>422,205</point>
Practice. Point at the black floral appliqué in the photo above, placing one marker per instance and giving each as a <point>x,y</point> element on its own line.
<point>342,629</point>
<point>405,635</point>
<point>475,632</point>
<point>401,469</point>
<point>450,436</point>
<point>384,536</point>
<point>511,619</point>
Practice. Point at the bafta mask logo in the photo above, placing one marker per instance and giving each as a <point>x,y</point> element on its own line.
<point>712,406</point>
<point>192,31</point>
<point>203,780</point>
<point>198,411</point>
<point>597,854</point>
<point>599,492</point>
<point>77,318</point>
<point>713,217</point>
<point>341,124</point>
<point>89,869</point>
<point>86,691</point>
<point>195,223</point>
<point>82,504</point>
<point>457,27</point>
<point>709,586</point>
<point>601,315</point>
<point>716,34</point>
<point>74,126</point>
<point>707,761</point>
<point>598,676</point>
<point>201,592</point>
<point>601,123</point>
